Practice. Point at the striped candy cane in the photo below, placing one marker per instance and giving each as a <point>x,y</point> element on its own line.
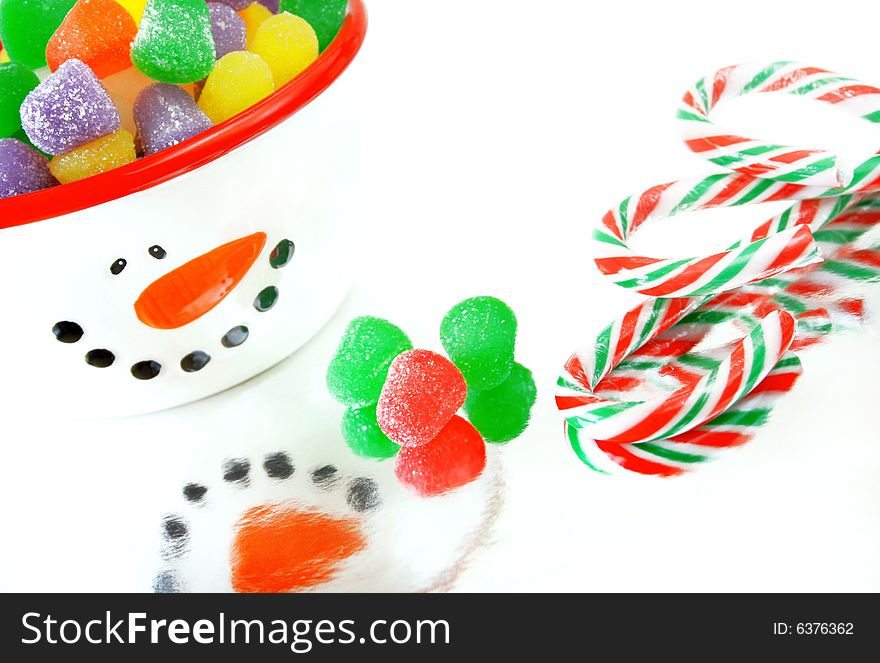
<point>764,172</point>
<point>773,288</point>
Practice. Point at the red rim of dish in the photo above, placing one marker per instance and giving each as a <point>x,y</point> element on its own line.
<point>153,170</point>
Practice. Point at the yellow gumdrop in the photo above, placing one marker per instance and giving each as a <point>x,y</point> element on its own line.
<point>239,80</point>
<point>288,44</point>
<point>135,8</point>
<point>3,56</point>
<point>254,15</point>
<point>94,158</point>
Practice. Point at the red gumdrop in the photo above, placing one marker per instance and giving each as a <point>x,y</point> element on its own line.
<point>422,392</point>
<point>97,32</point>
<point>454,458</point>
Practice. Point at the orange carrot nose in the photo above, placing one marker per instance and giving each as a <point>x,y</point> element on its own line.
<point>283,549</point>
<point>193,289</point>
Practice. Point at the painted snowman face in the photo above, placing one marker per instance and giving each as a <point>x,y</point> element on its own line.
<point>167,309</point>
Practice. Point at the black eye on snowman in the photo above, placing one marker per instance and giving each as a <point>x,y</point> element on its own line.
<point>117,266</point>
<point>157,252</point>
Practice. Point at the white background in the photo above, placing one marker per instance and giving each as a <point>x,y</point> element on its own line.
<point>496,134</point>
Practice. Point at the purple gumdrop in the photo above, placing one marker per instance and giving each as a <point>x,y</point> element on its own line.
<point>68,110</point>
<point>166,115</point>
<point>271,5</point>
<point>237,5</point>
<point>22,169</point>
<point>230,33</point>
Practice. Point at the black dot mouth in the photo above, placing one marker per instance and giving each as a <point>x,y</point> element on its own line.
<point>146,370</point>
<point>100,358</point>
<point>266,299</point>
<point>195,361</point>
<point>67,331</point>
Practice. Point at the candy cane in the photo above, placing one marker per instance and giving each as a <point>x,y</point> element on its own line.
<point>765,172</point>
<point>760,286</point>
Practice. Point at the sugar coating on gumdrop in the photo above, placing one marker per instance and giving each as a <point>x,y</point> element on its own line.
<point>97,32</point>
<point>27,25</point>
<point>422,393</point>
<point>288,45</point>
<point>454,458</point>
<point>22,169</point>
<point>68,109</point>
<point>16,83</point>
<point>325,16</point>
<point>174,43</point>
<point>253,17</point>
<point>239,81</point>
<point>99,156</point>
<point>479,335</point>
<point>358,370</point>
<point>228,29</point>
<point>165,116</point>
<point>361,432</point>
<point>503,413</point>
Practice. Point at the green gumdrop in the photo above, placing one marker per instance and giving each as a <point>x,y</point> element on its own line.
<point>27,25</point>
<point>358,370</point>
<point>363,435</point>
<point>16,81</point>
<point>325,16</point>
<point>479,335</point>
<point>503,413</point>
<point>174,43</point>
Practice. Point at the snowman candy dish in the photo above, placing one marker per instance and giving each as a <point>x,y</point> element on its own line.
<point>168,280</point>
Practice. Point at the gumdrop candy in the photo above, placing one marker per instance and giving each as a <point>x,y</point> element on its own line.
<point>123,89</point>
<point>97,32</point>
<point>363,435</point>
<point>456,457</point>
<point>422,393</point>
<point>22,169</point>
<point>16,82</point>
<point>288,45</point>
<point>238,81</point>
<point>166,115</point>
<point>479,335</point>
<point>174,43</point>
<point>236,4</point>
<point>135,8</point>
<point>325,16</point>
<point>95,158</point>
<point>503,413</point>
<point>272,5</point>
<point>228,29</point>
<point>27,25</point>
<point>358,370</point>
<point>253,17</point>
<point>68,109</point>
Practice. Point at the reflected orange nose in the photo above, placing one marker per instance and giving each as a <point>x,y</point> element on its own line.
<point>193,289</point>
<point>283,549</point>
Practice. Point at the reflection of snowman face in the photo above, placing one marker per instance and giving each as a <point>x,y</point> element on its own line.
<point>180,297</point>
<point>283,521</point>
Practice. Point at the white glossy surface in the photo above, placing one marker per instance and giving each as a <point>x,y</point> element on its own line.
<point>495,134</point>
<point>295,182</point>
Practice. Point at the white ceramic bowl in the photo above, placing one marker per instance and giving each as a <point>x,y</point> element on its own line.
<point>196,226</point>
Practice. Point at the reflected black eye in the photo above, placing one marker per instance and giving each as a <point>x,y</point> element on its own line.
<point>118,266</point>
<point>157,252</point>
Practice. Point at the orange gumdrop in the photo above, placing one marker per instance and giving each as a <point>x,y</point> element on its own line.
<point>285,549</point>
<point>98,32</point>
